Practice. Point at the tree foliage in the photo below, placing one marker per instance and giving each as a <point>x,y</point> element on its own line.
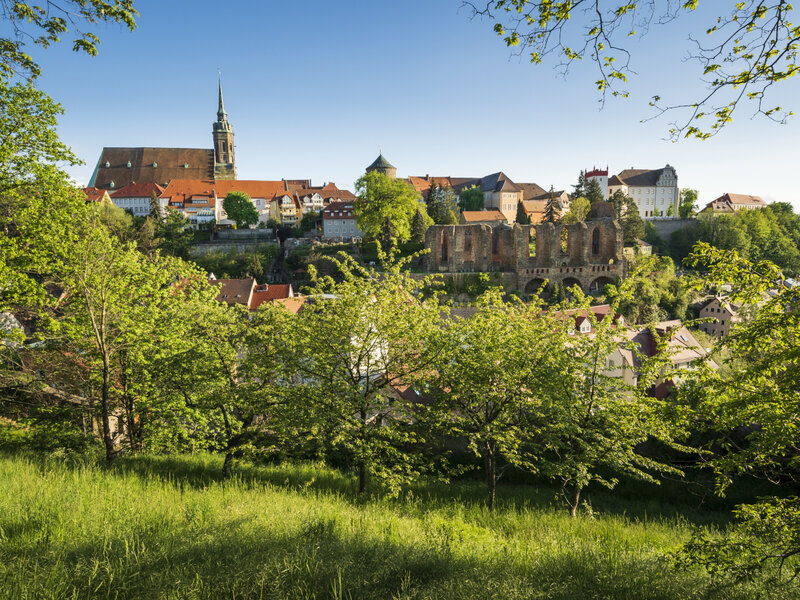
<point>239,207</point>
<point>385,207</point>
<point>594,193</point>
<point>578,211</point>
<point>628,217</point>
<point>471,198</point>
<point>688,203</point>
<point>522,217</point>
<point>749,47</point>
<point>442,206</point>
<point>749,414</point>
<point>43,23</point>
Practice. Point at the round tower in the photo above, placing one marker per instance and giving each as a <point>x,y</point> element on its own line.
<point>381,165</point>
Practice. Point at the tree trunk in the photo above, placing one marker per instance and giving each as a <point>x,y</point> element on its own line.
<point>490,463</point>
<point>227,465</point>
<point>362,478</point>
<point>104,414</point>
<point>573,501</point>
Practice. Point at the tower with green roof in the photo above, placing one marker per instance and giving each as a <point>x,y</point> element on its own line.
<point>381,165</point>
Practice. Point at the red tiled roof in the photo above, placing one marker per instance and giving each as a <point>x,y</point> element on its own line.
<point>94,194</point>
<point>269,293</point>
<point>481,216</point>
<point>138,190</point>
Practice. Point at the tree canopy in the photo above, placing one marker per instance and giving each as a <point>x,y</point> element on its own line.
<point>240,208</point>
<point>385,207</point>
<point>748,48</point>
<point>471,198</point>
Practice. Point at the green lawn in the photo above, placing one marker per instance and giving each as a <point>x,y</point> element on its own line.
<point>168,528</point>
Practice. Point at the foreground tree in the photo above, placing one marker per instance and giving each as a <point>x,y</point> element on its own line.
<point>592,421</point>
<point>241,209</point>
<point>748,415</point>
<point>385,207</point>
<point>487,383</point>
<point>351,351</point>
<point>628,217</point>
<point>750,47</point>
<point>43,23</point>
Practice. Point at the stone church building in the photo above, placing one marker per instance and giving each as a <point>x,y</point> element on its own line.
<point>587,254</point>
<point>118,167</point>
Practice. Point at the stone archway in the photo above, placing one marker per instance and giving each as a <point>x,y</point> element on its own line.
<point>597,284</point>
<point>534,286</point>
<point>570,282</point>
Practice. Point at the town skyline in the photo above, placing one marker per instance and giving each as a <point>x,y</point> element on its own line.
<point>309,112</point>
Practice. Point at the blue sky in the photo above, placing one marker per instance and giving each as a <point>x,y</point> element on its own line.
<point>314,89</point>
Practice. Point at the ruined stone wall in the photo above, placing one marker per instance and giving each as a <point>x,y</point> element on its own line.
<point>588,254</point>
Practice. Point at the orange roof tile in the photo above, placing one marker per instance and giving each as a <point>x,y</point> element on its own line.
<point>138,190</point>
<point>480,216</point>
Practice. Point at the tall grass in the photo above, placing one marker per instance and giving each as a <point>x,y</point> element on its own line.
<point>169,528</point>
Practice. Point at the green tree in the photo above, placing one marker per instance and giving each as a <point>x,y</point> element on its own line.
<point>522,217</point>
<point>552,212</point>
<point>419,225</point>
<point>366,336</point>
<point>174,230</point>
<point>44,23</point>
<point>594,193</point>
<point>580,188</point>
<point>628,216</point>
<point>442,206</point>
<point>471,198</point>
<point>591,420</point>
<point>748,49</point>
<point>758,401</point>
<point>486,382</point>
<point>578,211</point>
<point>688,203</point>
<point>309,220</point>
<point>240,208</point>
<point>155,208</point>
<point>385,207</point>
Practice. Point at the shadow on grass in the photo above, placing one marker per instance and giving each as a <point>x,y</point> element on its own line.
<point>319,559</point>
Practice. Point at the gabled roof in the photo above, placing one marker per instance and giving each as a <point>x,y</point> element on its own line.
<point>498,182</point>
<point>156,165</point>
<point>235,291</point>
<point>615,180</point>
<point>739,199</point>
<point>531,190</point>
<point>138,190</point>
<point>640,177</point>
<point>208,187</point>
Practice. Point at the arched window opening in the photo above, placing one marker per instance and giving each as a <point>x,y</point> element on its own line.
<point>596,241</point>
<point>444,248</point>
<point>468,240</point>
<point>564,242</point>
<point>532,243</point>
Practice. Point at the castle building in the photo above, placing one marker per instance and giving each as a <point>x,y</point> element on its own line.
<point>118,167</point>
<point>653,190</point>
<point>381,165</point>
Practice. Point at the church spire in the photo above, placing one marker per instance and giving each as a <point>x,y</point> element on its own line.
<point>221,114</point>
<point>222,130</point>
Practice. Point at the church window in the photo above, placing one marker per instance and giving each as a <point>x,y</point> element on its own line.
<point>596,241</point>
<point>444,248</point>
<point>468,240</point>
<point>564,240</point>
<point>532,243</point>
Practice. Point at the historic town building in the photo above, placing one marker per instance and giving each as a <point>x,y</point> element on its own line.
<point>587,254</point>
<point>119,167</point>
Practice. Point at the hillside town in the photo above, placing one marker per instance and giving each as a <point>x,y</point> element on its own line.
<point>406,386</point>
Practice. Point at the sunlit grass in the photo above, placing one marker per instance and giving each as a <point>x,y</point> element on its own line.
<point>169,528</point>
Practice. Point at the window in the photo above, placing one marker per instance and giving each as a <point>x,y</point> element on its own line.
<point>564,240</point>
<point>596,241</point>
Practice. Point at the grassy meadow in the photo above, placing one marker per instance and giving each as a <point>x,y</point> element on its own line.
<point>167,527</point>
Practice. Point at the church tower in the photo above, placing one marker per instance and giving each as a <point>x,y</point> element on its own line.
<point>224,161</point>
